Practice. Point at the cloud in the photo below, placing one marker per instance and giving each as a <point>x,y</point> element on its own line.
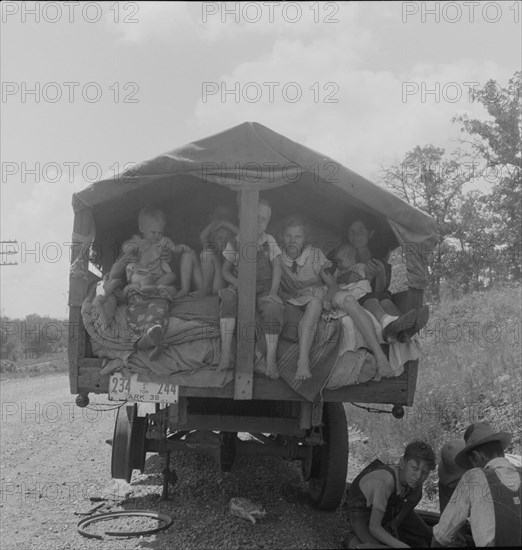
<point>376,116</point>
<point>177,22</point>
<point>350,76</point>
<point>164,20</point>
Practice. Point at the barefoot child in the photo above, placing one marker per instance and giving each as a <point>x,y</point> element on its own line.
<point>354,285</point>
<point>144,263</point>
<point>303,279</point>
<point>269,305</point>
<point>363,235</point>
<point>349,286</point>
<point>145,268</point>
<point>214,239</point>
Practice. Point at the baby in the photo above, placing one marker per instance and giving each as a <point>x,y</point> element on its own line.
<point>350,275</point>
<point>144,255</point>
<point>351,285</point>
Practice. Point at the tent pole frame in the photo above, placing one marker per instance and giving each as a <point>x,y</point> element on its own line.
<point>245,329</point>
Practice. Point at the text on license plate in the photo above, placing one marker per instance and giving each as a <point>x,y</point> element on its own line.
<point>131,389</point>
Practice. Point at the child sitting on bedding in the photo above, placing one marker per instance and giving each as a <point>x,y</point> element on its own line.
<point>303,279</point>
<point>269,305</point>
<point>214,239</point>
<point>351,285</point>
<point>143,259</point>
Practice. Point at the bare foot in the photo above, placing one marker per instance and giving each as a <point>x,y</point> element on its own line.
<point>271,369</point>
<point>303,369</point>
<point>384,369</point>
<point>181,294</point>
<point>168,288</point>
<point>171,290</point>
<point>199,293</point>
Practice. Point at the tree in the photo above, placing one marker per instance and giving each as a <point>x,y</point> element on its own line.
<point>11,347</point>
<point>34,335</point>
<point>433,183</point>
<point>481,257</point>
<point>498,142</point>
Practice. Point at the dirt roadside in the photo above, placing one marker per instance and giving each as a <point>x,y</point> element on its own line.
<point>54,459</point>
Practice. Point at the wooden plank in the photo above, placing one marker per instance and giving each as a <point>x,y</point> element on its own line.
<point>317,413</point>
<point>89,379</point>
<point>305,415</point>
<point>393,391</point>
<point>75,346</point>
<point>264,388</point>
<point>245,330</point>
<point>92,363</point>
<point>387,390</point>
<point>182,410</point>
<point>83,226</point>
<point>412,369</point>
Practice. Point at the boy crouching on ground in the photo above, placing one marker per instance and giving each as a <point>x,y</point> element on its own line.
<point>382,498</point>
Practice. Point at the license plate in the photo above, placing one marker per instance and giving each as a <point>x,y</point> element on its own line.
<point>131,389</point>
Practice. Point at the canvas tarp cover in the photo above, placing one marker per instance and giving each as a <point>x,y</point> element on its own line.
<point>253,156</point>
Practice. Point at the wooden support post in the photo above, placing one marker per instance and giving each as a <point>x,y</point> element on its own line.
<point>317,413</point>
<point>411,369</point>
<point>83,227</point>
<point>245,329</point>
<point>305,416</point>
<point>182,410</point>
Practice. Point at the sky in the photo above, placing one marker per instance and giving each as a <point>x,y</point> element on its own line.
<point>88,87</point>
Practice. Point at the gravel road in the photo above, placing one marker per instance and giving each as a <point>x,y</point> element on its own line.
<point>54,459</point>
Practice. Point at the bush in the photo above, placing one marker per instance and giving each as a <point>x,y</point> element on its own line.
<point>6,366</point>
<point>469,371</point>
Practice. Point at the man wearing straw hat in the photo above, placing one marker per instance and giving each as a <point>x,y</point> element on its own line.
<point>488,492</point>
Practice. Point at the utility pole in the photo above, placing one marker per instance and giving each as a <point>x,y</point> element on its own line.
<point>4,253</point>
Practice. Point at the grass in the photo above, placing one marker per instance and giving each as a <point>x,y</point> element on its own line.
<point>56,362</point>
<point>469,371</point>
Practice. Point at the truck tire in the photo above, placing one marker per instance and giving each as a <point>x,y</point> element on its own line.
<point>128,443</point>
<point>330,461</point>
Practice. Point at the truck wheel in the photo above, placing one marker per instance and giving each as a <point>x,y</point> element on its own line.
<point>330,461</point>
<point>128,444</point>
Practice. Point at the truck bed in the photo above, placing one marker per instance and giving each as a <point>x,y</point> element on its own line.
<point>399,390</point>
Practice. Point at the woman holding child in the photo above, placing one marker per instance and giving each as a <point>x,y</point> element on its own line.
<point>307,283</point>
<point>361,235</point>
